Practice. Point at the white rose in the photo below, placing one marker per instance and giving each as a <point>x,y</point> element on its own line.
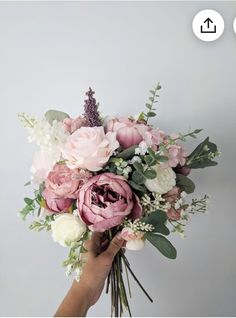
<point>135,245</point>
<point>164,181</point>
<point>67,228</point>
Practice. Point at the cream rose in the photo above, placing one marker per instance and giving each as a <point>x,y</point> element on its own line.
<point>67,228</point>
<point>164,181</point>
<point>135,245</point>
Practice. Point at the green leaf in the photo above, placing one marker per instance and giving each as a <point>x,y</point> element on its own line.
<point>150,174</point>
<point>52,115</point>
<point>185,183</point>
<point>152,153</point>
<point>27,183</point>
<point>161,158</point>
<point>28,201</point>
<point>162,244</point>
<point>127,153</point>
<point>202,164</point>
<point>138,166</point>
<point>150,161</point>
<point>156,217</point>
<point>137,186</point>
<point>161,228</point>
<point>138,178</point>
<point>151,114</point>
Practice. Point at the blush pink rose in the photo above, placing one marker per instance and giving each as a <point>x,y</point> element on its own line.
<point>173,214</point>
<point>65,182</point>
<point>105,200</point>
<point>71,125</point>
<point>55,203</point>
<point>128,234</point>
<point>89,148</point>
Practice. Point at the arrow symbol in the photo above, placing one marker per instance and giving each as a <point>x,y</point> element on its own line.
<point>208,21</point>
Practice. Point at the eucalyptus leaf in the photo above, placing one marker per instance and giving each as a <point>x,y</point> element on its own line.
<point>162,244</point>
<point>156,217</point>
<point>52,115</point>
<point>150,174</point>
<point>127,153</point>
<point>138,178</point>
<point>185,183</point>
<point>28,201</point>
<point>137,186</point>
<point>151,114</point>
<point>138,166</point>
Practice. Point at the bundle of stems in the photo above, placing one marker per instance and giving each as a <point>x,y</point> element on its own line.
<point>116,284</point>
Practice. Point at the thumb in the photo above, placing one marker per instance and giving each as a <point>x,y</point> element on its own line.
<point>114,247</point>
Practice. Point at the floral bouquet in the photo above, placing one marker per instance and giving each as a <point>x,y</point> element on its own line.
<point>112,174</point>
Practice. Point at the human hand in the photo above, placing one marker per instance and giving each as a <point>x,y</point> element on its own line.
<point>85,293</point>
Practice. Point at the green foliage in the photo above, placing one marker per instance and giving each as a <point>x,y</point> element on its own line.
<point>73,260</point>
<point>138,178</point>
<point>52,115</point>
<point>162,244</point>
<point>185,183</point>
<point>157,219</point>
<point>203,155</point>
<point>40,225</point>
<point>127,153</point>
<point>137,187</point>
<point>31,205</point>
<point>152,99</point>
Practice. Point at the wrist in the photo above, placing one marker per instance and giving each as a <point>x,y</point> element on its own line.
<point>81,292</point>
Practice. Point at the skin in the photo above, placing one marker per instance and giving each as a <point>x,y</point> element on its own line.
<point>85,293</point>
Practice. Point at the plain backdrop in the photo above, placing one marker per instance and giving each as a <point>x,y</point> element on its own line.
<point>50,53</point>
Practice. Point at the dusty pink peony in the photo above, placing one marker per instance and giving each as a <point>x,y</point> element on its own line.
<point>131,132</point>
<point>105,200</point>
<point>89,148</point>
<point>173,214</point>
<point>128,234</point>
<point>65,182</point>
<point>55,203</point>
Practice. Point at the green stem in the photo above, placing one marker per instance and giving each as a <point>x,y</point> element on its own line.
<point>135,278</point>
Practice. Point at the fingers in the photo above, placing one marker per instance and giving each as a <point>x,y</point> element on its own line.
<point>93,245</point>
<point>114,247</point>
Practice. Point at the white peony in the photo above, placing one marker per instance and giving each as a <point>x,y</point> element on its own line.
<point>67,228</point>
<point>164,181</point>
<point>135,245</point>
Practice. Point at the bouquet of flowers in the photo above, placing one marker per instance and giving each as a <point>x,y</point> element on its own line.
<point>112,174</point>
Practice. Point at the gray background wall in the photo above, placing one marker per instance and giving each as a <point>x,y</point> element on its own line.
<point>49,54</point>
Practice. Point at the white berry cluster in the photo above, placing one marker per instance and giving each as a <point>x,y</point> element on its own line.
<point>156,202</point>
<point>138,226</point>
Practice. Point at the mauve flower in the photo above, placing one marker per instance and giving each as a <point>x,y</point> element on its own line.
<point>105,200</point>
<point>55,203</point>
<point>173,214</point>
<point>182,170</point>
<point>89,148</point>
<point>173,195</point>
<point>65,182</point>
<point>71,125</point>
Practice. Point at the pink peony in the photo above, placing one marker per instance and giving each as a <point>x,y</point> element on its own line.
<point>105,200</point>
<point>173,214</point>
<point>130,132</point>
<point>55,203</point>
<point>89,148</point>
<point>71,125</point>
<point>128,234</point>
<point>65,182</point>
